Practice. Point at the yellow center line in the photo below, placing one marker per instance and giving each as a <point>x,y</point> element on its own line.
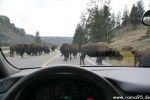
<point>46,63</point>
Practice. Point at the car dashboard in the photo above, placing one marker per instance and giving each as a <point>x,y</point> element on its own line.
<point>127,81</point>
<point>62,88</point>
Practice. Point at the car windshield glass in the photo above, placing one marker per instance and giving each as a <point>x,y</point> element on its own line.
<point>40,33</point>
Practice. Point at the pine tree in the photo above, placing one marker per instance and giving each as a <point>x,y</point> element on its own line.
<point>98,26</point>
<point>79,36</point>
<point>95,26</point>
<point>80,32</point>
<point>140,10</point>
<point>134,16</point>
<point>37,38</point>
<point>112,27</point>
<point>125,18</point>
<point>109,23</point>
<point>118,20</point>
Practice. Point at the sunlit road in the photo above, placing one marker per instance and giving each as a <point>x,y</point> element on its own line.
<point>45,60</point>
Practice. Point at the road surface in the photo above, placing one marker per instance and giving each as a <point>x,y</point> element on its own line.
<point>44,60</point>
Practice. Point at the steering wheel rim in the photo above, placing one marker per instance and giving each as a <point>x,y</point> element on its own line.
<point>99,81</point>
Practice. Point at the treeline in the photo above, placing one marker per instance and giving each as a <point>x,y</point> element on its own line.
<point>98,23</point>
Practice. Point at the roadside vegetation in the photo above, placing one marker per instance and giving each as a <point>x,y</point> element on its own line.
<point>99,24</point>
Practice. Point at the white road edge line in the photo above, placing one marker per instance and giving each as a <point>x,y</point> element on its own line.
<point>103,63</point>
<point>46,63</point>
<point>90,61</point>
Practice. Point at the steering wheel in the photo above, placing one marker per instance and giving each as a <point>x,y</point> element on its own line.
<point>105,86</point>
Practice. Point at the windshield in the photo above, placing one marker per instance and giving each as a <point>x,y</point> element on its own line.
<point>40,33</point>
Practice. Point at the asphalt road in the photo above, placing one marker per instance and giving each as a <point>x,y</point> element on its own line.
<point>44,60</point>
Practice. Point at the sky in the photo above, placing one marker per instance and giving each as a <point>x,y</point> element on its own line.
<point>52,17</point>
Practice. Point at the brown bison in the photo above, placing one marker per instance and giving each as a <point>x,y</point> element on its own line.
<point>74,49</point>
<point>37,49</point>
<point>99,50</point>
<point>19,49</point>
<point>68,49</point>
<point>53,48</point>
<point>33,49</point>
<point>45,49</point>
<point>99,60</point>
<point>64,49</point>
<point>142,57</point>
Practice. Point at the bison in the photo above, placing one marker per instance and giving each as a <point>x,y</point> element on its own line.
<point>19,49</point>
<point>33,49</point>
<point>142,57</point>
<point>46,49</point>
<point>37,49</point>
<point>99,60</point>
<point>64,49</point>
<point>68,49</point>
<point>99,50</point>
<point>74,49</point>
<point>53,48</point>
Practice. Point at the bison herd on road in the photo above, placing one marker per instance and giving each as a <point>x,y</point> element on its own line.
<point>99,50</point>
<point>30,49</point>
